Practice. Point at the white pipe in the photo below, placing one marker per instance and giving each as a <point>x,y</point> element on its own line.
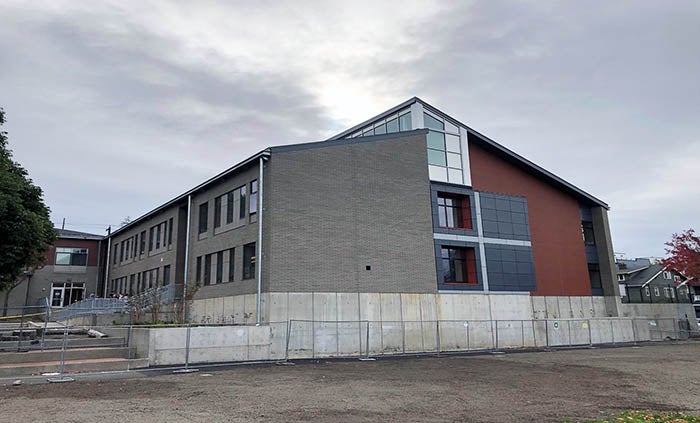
<point>109,258</point>
<point>258,254</point>
<point>187,259</point>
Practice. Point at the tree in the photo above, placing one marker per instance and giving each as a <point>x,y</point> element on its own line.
<point>684,254</point>
<point>25,228</point>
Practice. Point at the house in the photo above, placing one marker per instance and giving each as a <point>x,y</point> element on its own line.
<point>646,280</point>
<point>411,215</point>
<point>71,272</point>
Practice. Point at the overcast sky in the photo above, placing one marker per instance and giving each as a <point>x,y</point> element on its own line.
<point>116,107</point>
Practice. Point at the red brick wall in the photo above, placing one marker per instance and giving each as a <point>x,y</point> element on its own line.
<point>91,245</point>
<point>555,223</point>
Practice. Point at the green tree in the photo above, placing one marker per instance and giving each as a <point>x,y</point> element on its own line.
<point>26,231</point>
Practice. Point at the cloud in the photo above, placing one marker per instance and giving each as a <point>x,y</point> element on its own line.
<point>133,103</point>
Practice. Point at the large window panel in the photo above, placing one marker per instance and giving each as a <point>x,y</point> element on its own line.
<point>436,157</point>
<point>436,140</point>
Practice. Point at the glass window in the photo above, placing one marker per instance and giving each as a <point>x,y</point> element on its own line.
<point>437,173</point>
<point>217,212</point>
<point>249,261</point>
<point>242,210</point>
<point>381,129</point>
<point>454,211</point>
<point>166,275</point>
<point>405,122</point>
<point>71,256</point>
<point>587,228</point>
<point>368,132</point>
<point>392,125</point>
<point>219,267</point>
<point>452,143</point>
<point>157,237</point>
<point>454,160</point>
<point>229,207</point>
<point>594,276</point>
<point>431,122</point>
<point>454,176</point>
<point>436,140</point>
<point>450,127</point>
<point>207,269</point>
<point>203,217</point>
<point>198,273</point>
<point>454,265</point>
<point>436,157</point>
<point>142,248</point>
<point>253,207</point>
<point>170,231</point>
<point>231,261</point>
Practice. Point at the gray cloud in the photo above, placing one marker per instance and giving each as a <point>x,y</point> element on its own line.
<point>102,99</point>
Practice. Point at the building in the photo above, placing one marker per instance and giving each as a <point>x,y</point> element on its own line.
<point>71,272</point>
<point>645,280</point>
<point>411,215</point>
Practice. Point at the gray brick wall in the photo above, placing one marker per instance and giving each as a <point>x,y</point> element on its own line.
<point>333,210</point>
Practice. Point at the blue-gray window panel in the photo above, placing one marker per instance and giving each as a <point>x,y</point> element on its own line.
<point>436,187</point>
<point>504,216</point>
<point>510,268</point>
<point>438,268</point>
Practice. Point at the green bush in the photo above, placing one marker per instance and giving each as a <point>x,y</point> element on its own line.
<point>648,417</point>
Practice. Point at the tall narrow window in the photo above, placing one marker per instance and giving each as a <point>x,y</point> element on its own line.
<point>142,248</point>
<point>166,275</point>
<point>594,276</point>
<point>170,231</point>
<point>134,251</point>
<point>454,211</point>
<point>150,239</point>
<point>198,273</point>
<point>229,207</point>
<point>158,237</point>
<point>121,251</point>
<point>249,261</point>
<point>253,208</point>
<point>587,229</point>
<point>116,253</point>
<point>217,212</point>
<point>231,261</point>
<point>207,269</point>
<point>242,210</point>
<point>203,217</point>
<point>219,266</point>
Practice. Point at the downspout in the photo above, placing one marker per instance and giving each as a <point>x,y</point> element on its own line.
<point>258,253</point>
<point>97,277</point>
<point>187,259</point>
<point>109,258</point>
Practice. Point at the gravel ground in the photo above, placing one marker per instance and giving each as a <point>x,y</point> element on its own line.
<point>541,386</point>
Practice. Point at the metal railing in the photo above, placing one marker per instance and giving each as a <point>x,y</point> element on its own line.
<point>91,306</point>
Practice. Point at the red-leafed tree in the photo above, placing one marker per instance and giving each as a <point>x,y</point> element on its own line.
<point>684,254</point>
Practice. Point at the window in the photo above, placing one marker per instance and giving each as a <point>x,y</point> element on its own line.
<point>158,237</point>
<point>203,217</point>
<point>620,277</point>
<point>253,207</point>
<point>126,254</point>
<point>219,267</point>
<point>170,231</point>
<point>150,239</point>
<point>647,292</point>
<point>207,269</point>
<point>458,265</point>
<point>667,275</point>
<point>198,273</point>
<point>71,256</point>
<point>249,261</point>
<point>454,211</point>
<point>142,248</point>
<point>136,246</point>
<point>231,262</point>
<point>656,291</point>
<point>166,275</point>
<point>594,276</point>
<point>242,209</point>
<point>667,294</point>
<point>217,212</point>
<point>121,251</point>
<point>587,230</point>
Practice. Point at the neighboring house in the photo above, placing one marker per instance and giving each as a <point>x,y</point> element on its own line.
<point>694,292</point>
<point>410,215</point>
<point>70,273</point>
<point>645,280</point>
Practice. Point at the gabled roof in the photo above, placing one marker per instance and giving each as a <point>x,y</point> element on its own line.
<point>68,234</point>
<point>488,143</point>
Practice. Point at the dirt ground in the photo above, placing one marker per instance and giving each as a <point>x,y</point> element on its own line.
<point>542,386</point>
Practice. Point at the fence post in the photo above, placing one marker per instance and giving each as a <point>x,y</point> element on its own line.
<point>289,333</point>
<point>367,357</point>
<point>437,336</point>
<point>570,343</point>
<point>496,335</point>
<point>590,333</point>
<point>313,338</point>
<point>469,348</point>
<point>403,336</point>
<point>46,322</point>
<point>634,332</point>
<point>522,334</point>
<point>546,333</point>
<point>187,368</point>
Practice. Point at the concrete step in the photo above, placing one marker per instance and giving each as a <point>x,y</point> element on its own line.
<point>72,342</point>
<point>71,354</point>
<point>18,370</point>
